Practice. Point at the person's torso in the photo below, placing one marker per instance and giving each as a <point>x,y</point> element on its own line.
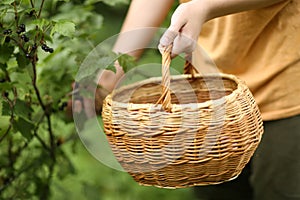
<point>262,47</point>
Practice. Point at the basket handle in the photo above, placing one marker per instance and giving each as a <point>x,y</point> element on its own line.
<point>165,98</point>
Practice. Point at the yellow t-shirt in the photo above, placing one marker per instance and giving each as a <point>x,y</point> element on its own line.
<point>262,47</point>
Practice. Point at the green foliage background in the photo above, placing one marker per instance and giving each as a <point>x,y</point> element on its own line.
<point>41,156</point>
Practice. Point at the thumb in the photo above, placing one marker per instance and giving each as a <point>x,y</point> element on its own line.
<point>167,39</point>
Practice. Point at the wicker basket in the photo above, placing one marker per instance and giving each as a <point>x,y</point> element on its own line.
<point>183,131</point>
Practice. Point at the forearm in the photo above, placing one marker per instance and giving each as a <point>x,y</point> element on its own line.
<point>141,14</point>
<point>217,8</point>
<point>188,18</point>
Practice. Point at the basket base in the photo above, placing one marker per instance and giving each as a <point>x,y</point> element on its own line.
<point>177,185</point>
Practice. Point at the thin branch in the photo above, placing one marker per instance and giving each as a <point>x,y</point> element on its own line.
<point>52,138</point>
<point>45,193</point>
<point>20,149</point>
<point>16,13</point>
<point>42,142</point>
<point>45,109</point>
<point>34,78</point>
<point>6,133</point>
<point>32,4</point>
<point>42,104</point>
<point>41,8</point>
<point>38,137</point>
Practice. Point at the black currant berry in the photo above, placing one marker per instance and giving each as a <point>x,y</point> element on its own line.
<point>31,13</point>
<point>6,94</point>
<point>45,47</point>
<point>28,55</point>
<point>7,32</point>
<point>24,38</point>
<point>34,47</point>
<point>21,28</point>
<point>7,39</point>
<point>50,50</point>
<point>19,31</point>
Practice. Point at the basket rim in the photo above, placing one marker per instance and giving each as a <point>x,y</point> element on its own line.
<point>241,86</point>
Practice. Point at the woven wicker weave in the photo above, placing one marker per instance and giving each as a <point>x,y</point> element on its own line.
<point>184,130</point>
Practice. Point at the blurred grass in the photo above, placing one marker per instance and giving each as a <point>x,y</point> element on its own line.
<point>94,180</point>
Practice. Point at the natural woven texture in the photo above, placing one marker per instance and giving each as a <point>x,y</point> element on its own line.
<point>193,130</point>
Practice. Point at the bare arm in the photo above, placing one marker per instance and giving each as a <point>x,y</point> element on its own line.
<point>217,8</point>
<point>141,14</point>
<point>189,18</point>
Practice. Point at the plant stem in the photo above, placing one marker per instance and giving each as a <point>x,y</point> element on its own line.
<point>16,13</point>
<point>45,109</point>
<point>31,3</point>
<point>11,106</point>
<point>6,133</point>
<point>52,138</point>
<point>41,8</point>
<point>46,193</point>
<point>34,78</point>
<point>38,137</point>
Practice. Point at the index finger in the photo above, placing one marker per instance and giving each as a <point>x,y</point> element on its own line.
<point>168,37</point>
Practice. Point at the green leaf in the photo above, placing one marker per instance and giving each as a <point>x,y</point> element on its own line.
<point>7,1</point>
<point>25,127</point>
<point>41,23</point>
<point>63,27</point>
<point>5,108</point>
<point>5,52</point>
<point>7,14</point>
<point>64,14</point>
<point>4,120</point>
<point>22,60</point>
<point>112,68</point>
<point>127,62</point>
<point>22,109</point>
<point>5,86</point>
<point>108,2</point>
<point>4,124</point>
<point>96,61</point>
<point>21,80</point>
<point>91,70</point>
